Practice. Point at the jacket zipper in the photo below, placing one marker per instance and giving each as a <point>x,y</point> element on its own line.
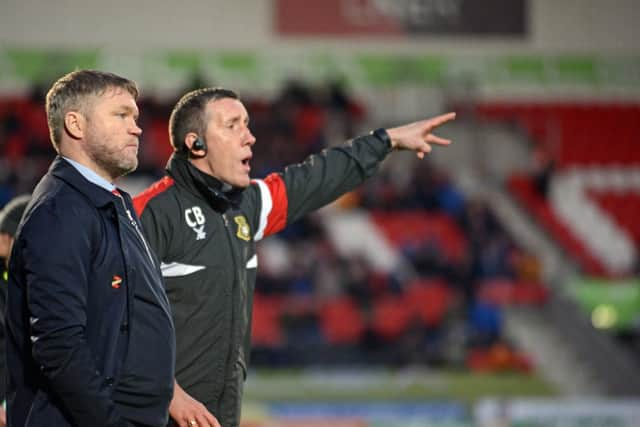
<point>134,224</point>
<point>138,232</point>
<point>236,283</point>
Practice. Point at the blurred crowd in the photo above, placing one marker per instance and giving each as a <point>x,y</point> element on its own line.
<point>442,306</point>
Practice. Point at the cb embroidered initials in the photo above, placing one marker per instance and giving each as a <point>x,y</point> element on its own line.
<point>195,219</point>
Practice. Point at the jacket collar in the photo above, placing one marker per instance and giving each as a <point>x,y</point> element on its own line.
<point>217,193</point>
<point>62,169</point>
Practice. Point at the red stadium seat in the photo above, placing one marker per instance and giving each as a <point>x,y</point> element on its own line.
<point>429,300</point>
<point>391,317</point>
<point>589,133</point>
<point>411,228</point>
<point>265,327</point>
<point>341,321</point>
<point>497,292</point>
<point>529,293</point>
<point>624,208</point>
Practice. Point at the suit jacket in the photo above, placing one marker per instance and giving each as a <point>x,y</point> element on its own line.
<point>74,271</point>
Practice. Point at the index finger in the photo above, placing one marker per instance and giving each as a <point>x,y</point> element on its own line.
<point>440,120</point>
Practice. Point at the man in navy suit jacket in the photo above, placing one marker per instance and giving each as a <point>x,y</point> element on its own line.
<point>90,340</point>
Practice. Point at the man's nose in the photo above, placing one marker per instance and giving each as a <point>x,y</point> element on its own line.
<point>250,138</point>
<point>136,130</point>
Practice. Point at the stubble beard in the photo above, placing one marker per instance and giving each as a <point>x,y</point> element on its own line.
<point>114,163</point>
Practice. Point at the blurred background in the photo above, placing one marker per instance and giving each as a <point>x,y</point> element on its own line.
<point>493,284</point>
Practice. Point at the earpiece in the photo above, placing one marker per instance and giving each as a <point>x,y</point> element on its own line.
<point>199,144</point>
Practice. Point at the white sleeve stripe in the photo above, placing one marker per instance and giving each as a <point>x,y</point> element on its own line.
<point>176,269</point>
<point>253,262</point>
<point>267,205</point>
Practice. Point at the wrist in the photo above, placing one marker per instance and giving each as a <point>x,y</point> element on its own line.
<point>383,135</point>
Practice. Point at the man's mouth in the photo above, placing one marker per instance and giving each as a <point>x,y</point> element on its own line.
<point>246,162</point>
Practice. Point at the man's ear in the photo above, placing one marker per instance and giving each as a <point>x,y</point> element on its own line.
<point>75,124</point>
<point>189,139</point>
<point>196,147</point>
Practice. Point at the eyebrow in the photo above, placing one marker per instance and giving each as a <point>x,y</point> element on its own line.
<point>130,109</point>
<point>236,119</point>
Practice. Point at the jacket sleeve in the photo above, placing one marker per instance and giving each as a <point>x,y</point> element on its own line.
<point>57,245</point>
<point>286,196</point>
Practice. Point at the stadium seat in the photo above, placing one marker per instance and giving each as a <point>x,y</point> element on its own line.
<point>265,328</point>
<point>390,318</point>
<point>415,228</point>
<point>341,321</point>
<point>429,300</point>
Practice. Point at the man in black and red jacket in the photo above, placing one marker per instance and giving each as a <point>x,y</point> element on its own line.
<point>203,219</point>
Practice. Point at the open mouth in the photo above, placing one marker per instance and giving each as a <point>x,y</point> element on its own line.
<point>246,163</point>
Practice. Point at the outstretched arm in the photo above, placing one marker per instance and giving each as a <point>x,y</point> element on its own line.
<point>284,197</point>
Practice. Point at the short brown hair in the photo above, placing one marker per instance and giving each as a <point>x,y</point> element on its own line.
<point>189,114</point>
<point>71,92</point>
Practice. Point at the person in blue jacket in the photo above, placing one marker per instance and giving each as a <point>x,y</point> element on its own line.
<point>90,339</point>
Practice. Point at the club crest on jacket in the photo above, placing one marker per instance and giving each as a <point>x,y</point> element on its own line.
<point>244,232</point>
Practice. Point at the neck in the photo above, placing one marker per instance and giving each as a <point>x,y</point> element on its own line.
<point>82,158</point>
<point>209,179</point>
<point>218,193</point>
<point>203,166</point>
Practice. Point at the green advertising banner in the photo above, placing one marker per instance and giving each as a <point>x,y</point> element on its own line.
<point>611,304</point>
<point>169,70</point>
